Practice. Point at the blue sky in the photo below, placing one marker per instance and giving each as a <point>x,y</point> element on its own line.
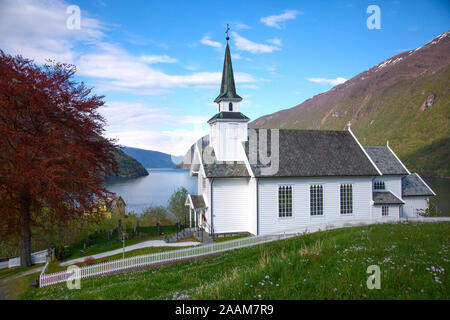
<point>158,63</point>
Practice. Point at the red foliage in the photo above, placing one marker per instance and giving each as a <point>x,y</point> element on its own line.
<point>52,153</point>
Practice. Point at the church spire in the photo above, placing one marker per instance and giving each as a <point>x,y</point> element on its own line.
<point>228,88</point>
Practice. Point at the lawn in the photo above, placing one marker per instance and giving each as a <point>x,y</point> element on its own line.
<point>413,258</point>
<point>222,239</point>
<point>100,242</point>
<point>55,267</point>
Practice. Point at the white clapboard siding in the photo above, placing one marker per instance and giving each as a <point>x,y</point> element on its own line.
<point>394,213</point>
<point>269,221</point>
<point>413,205</point>
<point>231,200</point>
<point>392,184</point>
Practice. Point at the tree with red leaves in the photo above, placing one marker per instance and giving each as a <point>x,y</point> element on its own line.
<point>52,153</point>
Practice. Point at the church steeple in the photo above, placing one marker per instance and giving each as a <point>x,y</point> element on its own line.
<point>228,128</point>
<point>227,88</point>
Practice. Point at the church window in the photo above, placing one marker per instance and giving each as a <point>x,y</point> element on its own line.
<point>346,199</point>
<point>284,201</point>
<point>316,200</point>
<point>379,185</point>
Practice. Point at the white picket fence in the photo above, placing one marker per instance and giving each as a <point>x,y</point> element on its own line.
<point>36,258</point>
<point>156,258</point>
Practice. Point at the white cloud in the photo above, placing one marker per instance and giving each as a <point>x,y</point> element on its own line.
<point>250,46</point>
<point>237,56</point>
<point>38,30</point>
<point>150,59</point>
<point>333,82</point>
<point>275,41</point>
<point>206,40</point>
<point>240,26</point>
<point>129,122</point>
<point>114,69</point>
<point>277,20</point>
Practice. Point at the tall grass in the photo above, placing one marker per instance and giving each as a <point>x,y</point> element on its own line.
<point>413,258</point>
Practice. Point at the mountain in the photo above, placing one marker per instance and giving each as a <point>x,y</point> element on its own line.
<point>403,99</point>
<point>128,167</point>
<point>152,159</point>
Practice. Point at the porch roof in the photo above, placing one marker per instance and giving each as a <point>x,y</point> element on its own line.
<point>385,198</point>
<point>196,201</point>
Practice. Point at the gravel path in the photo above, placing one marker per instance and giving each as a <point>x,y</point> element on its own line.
<point>145,244</point>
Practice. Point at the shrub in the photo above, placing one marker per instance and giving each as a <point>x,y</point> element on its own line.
<point>61,251</point>
<point>90,261</point>
<point>104,260</point>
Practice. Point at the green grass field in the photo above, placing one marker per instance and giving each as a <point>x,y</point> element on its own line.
<point>413,258</point>
<point>100,242</point>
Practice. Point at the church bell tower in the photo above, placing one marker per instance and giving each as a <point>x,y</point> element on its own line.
<point>228,128</point>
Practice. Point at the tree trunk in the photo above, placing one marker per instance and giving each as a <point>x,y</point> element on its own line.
<point>119,229</point>
<point>25,241</point>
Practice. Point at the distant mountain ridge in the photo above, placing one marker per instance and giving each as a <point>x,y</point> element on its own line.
<point>403,99</point>
<point>152,159</point>
<point>128,167</point>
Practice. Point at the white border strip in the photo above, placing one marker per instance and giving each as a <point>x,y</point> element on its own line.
<point>247,163</point>
<point>365,152</point>
<point>425,183</point>
<point>404,167</point>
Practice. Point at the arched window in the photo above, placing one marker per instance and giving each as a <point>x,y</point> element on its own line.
<point>230,106</point>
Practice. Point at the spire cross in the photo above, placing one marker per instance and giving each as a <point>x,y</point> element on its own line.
<point>228,29</point>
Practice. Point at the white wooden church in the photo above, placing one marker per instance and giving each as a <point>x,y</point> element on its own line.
<point>262,182</point>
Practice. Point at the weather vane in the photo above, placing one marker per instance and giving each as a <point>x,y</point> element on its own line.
<point>228,29</point>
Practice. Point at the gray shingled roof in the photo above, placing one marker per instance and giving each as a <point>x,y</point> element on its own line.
<point>302,153</point>
<point>214,168</point>
<point>315,153</point>
<point>412,185</point>
<point>198,201</point>
<point>386,198</point>
<point>385,160</point>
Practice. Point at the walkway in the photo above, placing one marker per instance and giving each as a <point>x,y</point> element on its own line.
<point>145,244</point>
<point>427,219</point>
<point>11,287</point>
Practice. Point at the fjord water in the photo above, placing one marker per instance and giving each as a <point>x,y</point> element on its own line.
<point>442,189</point>
<point>154,189</point>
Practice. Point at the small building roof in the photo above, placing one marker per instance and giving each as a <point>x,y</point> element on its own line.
<point>214,168</point>
<point>385,160</point>
<point>229,116</point>
<point>313,153</point>
<point>413,185</point>
<point>197,201</point>
<point>386,198</point>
